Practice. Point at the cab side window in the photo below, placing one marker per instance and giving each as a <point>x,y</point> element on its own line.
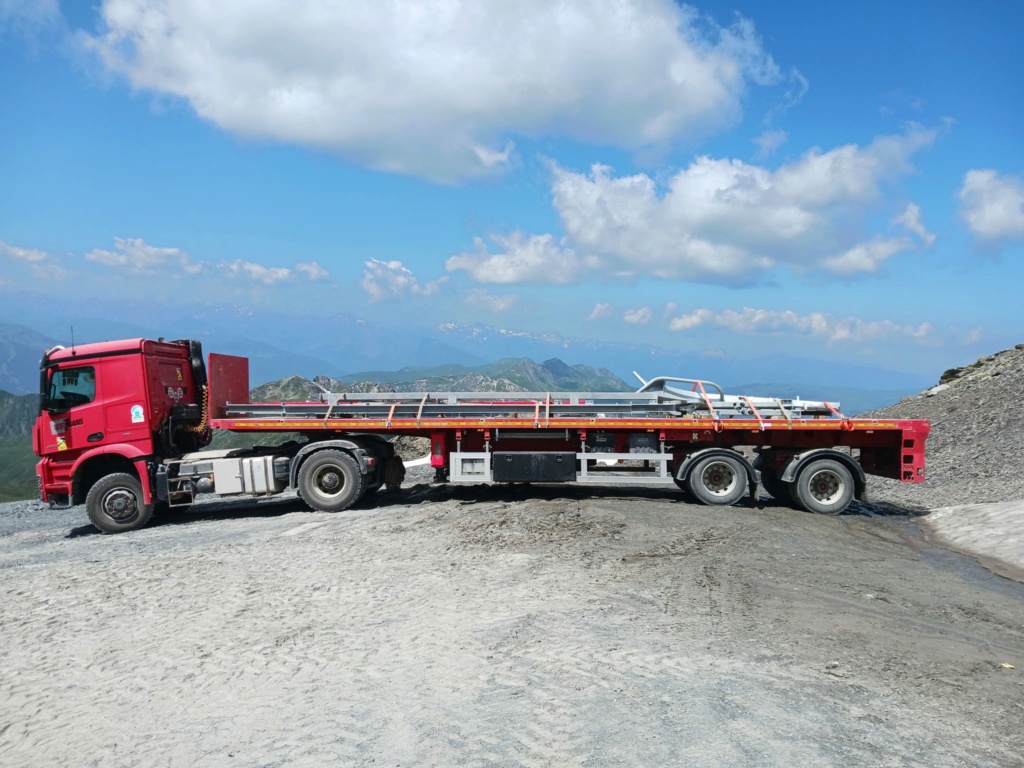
<point>72,386</point>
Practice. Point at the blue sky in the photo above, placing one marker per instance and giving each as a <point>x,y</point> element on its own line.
<point>840,182</point>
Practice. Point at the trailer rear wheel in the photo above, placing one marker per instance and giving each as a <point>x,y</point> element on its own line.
<point>717,480</point>
<point>824,487</point>
<point>114,504</point>
<point>330,481</point>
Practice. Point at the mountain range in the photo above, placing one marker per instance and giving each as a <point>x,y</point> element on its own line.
<point>345,346</point>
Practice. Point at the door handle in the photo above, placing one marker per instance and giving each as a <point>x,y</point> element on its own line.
<point>95,437</point>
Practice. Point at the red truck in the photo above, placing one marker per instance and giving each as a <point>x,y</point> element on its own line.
<point>122,426</point>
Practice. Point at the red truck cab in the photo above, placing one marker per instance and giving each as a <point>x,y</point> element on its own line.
<point>115,409</point>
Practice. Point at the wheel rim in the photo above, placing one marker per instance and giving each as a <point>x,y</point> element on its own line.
<point>826,486</point>
<point>718,478</point>
<point>120,504</point>
<point>329,481</point>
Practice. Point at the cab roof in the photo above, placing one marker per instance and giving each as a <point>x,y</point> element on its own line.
<point>105,348</point>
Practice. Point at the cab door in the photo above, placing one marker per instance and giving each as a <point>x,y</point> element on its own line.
<point>73,418</point>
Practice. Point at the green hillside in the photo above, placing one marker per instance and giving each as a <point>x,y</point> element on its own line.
<point>17,461</point>
<point>17,469</point>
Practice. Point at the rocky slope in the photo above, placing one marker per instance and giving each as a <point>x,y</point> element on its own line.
<point>977,439</point>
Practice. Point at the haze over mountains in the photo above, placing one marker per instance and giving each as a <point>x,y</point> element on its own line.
<point>281,345</point>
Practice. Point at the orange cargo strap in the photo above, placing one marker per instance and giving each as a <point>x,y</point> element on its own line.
<point>789,419</point>
<point>846,424</point>
<point>760,420</point>
<point>707,400</point>
<point>419,413</point>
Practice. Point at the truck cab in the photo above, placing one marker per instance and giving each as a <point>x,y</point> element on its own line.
<point>116,409</point>
<point>121,426</point>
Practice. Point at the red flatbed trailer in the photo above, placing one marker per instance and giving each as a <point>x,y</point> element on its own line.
<point>808,454</point>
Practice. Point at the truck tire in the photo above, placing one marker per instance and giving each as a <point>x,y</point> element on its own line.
<point>717,480</point>
<point>114,504</point>
<point>330,481</point>
<point>778,489</point>
<point>824,487</point>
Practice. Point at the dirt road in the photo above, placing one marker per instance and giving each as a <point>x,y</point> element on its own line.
<point>510,626</point>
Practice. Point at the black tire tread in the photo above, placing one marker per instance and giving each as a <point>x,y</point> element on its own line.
<point>352,490</point>
<point>697,490</point>
<point>801,487</point>
<point>104,522</point>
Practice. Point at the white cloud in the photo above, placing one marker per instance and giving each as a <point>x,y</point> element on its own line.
<point>768,142</point>
<point>312,271</point>
<point>135,255</point>
<point>30,255</point>
<point>28,15</point>
<point>600,310</point>
<point>255,272</point>
<point>911,220</point>
<point>437,89</point>
<point>729,222</point>
<point>993,205</point>
<point>478,298</point>
<point>816,324</point>
<point>534,259</point>
<point>42,264</point>
<point>637,316</point>
<point>691,320</point>
<point>384,279</point>
<point>866,257</point>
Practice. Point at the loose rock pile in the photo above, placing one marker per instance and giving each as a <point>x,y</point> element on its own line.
<point>975,453</point>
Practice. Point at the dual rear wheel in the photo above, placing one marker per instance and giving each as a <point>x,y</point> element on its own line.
<point>823,486</point>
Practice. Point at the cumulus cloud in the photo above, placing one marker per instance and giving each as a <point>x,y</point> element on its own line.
<point>768,142</point>
<point>816,324</point>
<point>389,279</point>
<point>255,272</point>
<point>28,15</point>
<point>910,219</point>
<point>993,205</point>
<point>866,257</point>
<point>523,259</point>
<point>637,316</point>
<point>135,256</point>
<point>478,298</point>
<point>438,89</point>
<point>729,222</point>
<point>42,264</point>
<point>600,310</point>
<point>312,271</point>
<point>29,255</point>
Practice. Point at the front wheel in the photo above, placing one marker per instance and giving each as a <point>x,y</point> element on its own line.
<point>717,480</point>
<point>114,504</point>
<point>824,487</point>
<point>330,481</point>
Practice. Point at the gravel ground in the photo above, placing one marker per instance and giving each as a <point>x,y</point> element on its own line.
<point>973,454</point>
<point>542,626</point>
